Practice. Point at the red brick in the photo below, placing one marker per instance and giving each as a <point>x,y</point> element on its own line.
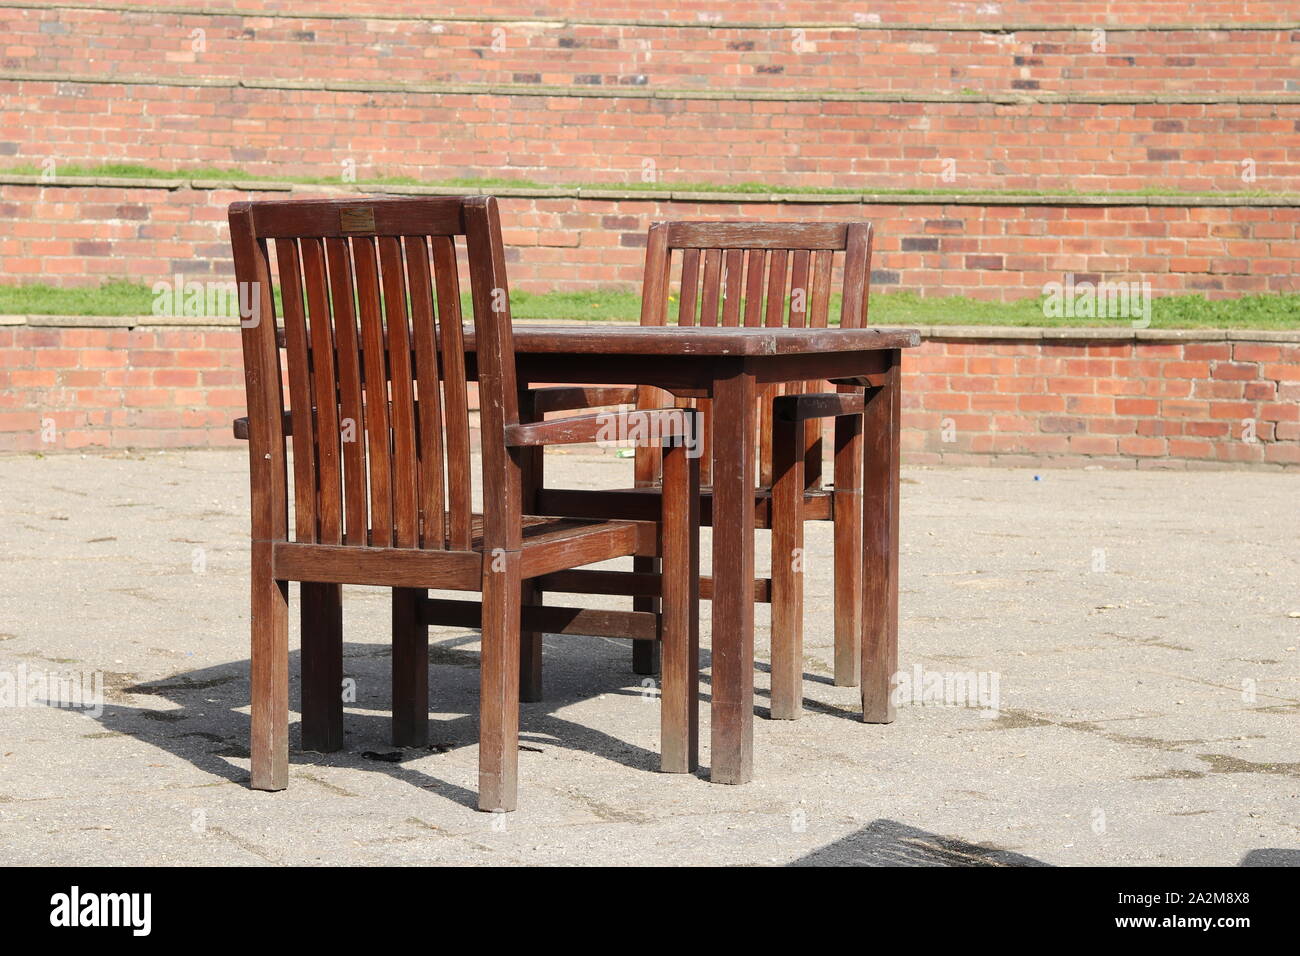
<point>1142,447</point>
<point>1235,371</point>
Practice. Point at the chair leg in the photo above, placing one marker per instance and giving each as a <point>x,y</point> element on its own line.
<point>646,657</point>
<point>269,738</point>
<point>531,480</point>
<point>322,666</point>
<point>788,447</point>
<point>410,670</point>
<point>530,651</point>
<point>847,502</point>
<point>498,755</point>
<point>680,629</point>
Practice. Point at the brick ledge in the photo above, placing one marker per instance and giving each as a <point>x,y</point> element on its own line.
<point>991,333</point>
<point>600,92</point>
<point>991,26</point>
<point>649,195</point>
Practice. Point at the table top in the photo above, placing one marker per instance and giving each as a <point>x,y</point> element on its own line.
<point>702,340</point>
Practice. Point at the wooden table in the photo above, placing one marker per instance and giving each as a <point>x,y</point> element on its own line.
<point>728,365</point>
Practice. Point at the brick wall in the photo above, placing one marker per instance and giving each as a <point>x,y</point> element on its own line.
<point>1192,402</point>
<point>1022,397</point>
<point>603,139</point>
<point>103,388</point>
<point>925,95</point>
<point>79,235</point>
<point>306,48</point>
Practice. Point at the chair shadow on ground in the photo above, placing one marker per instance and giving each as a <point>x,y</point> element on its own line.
<point>851,710</point>
<point>207,722</point>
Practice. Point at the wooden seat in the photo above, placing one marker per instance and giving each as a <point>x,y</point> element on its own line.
<point>373,355</point>
<point>753,274</point>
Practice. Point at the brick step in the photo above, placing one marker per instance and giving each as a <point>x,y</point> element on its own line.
<point>1125,13</point>
<point>83,235</point>
<point>108,43</point>
<point>592,139</point>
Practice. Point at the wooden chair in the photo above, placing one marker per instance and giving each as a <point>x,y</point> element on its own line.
<point>770,274</point>
<point>378,420</point>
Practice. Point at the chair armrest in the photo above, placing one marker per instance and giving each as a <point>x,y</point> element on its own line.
<point>798,408</point>
<point>642,427</point>
<point>563,398</point>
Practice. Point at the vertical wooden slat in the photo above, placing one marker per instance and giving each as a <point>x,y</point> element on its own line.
<point>735,260</point>
<point>648,461</point>
<point>406,524</point>
<point>754,286</point>
<point>819,302</point>
<point>456,405</point>
<point>755,273</point>
<point>710,295</point>
<point>348,365</point>
<point>731,282</point>
<point>300,397</point>
<point>690,286</point>
<point>776,287</point>
<point>321,652</point>
<point>424,332</point>
<point>712,287</point>
<point>410,637</point>
<point>819,296</point>
<point>857,266</point>
<point>378,435</point>
<point>774,316</point>
<point>330,487</point>
<point>799,289</point>
<point>654,286</point>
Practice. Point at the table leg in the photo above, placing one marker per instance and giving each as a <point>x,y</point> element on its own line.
<point>732,734</point>
<point>880,548</point>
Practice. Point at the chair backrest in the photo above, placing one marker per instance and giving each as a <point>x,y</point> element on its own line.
<point>755,274</point>
<point>373,352</point>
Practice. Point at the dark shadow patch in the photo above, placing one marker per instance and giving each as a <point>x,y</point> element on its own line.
<point>1271,856</point>
<point>890,843</point>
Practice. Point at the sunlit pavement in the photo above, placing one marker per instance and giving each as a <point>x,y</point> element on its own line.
<point>1132,638</point>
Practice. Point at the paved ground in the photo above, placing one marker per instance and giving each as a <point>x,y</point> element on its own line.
<point>1142,628</point>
